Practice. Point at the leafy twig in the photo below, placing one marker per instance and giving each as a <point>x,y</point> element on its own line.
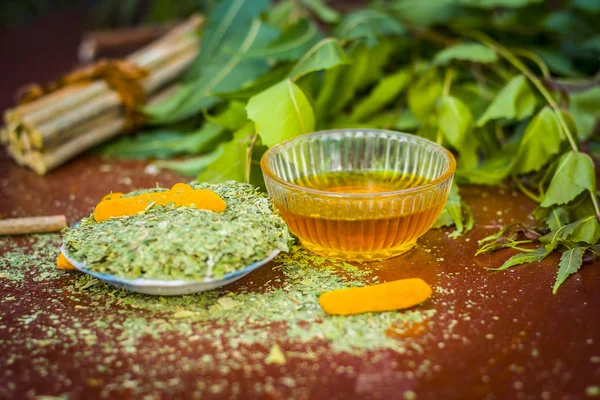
<point>448,76</point>
<point>518,64</point>
<point>536,59</point>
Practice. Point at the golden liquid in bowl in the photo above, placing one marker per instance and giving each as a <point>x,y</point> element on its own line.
<point>360,237</point>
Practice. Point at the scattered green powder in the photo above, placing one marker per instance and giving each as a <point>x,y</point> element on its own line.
<point>168,242</point>
<point>292,300</point>
<point>24,253</point>
<point>592,391</point>
<point>279,305</point>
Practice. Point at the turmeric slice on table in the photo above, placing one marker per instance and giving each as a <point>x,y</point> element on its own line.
<point>63,263</point>
<point>115,205</point>
<point>389,296</point>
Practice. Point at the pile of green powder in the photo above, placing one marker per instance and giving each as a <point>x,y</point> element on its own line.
<point>168,242</point>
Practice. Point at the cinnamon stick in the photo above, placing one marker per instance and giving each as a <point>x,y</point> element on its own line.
<point>22,226</point>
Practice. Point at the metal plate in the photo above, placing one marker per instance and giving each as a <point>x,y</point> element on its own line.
<point>171,287</point>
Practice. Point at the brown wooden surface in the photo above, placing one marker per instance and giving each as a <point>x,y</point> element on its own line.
<point>512,338</point>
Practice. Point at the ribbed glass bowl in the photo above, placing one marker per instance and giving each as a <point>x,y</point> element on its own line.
<point>358,194</point>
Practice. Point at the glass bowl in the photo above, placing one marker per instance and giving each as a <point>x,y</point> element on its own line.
<point>358,194</point>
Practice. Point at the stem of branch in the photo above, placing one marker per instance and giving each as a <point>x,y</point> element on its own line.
<point>448,76</point>
<point>518,64</point>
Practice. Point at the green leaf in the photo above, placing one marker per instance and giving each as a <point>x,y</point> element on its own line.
<point>540,143</point>
<point>232,118</point>
<point>231,163</point>
<point>268,79</point>
<point>522,258</point>
<point>191,166</point>
<point>497,3</point>
<point>322,10</point>
<point>368,25</point>
<point>443,220</point>
<point>228,24</point>
<point>456,124</point>
<point>326,54</point>
<point>384,92</point>
<point>423,94</point>
<point>406,121</point>
<point>341,84</point>
<point>587,5</point>
<point>585,109</point>
<point>558,62</point>
<point>557,217</point>
<point>224,72</point>
<point>452,214</point>
<point>581,207</point>
<point>164,143</point>
<point>574,174</point>
<point>570,262</point>
<point>490,172</point>
<point>587,230</point>
<point>514,101</point>
<point>568,24</point>
<point>285,13</point>
<point>293,43</point>
<point>281,112</point>
<point>425,13</point>
<point>473,52</point>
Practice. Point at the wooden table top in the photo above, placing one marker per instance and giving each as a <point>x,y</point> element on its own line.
<point>494,335</point>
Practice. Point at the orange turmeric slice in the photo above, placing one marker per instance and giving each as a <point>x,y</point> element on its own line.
<point>389,296</point>
<point>114,205</point>
<point>63,263</point>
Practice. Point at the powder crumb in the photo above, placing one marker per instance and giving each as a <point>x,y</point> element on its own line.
<point>592,391</point>
<point>275,356</point>
<point>287,381</point>
<point>227,303</point>
<point>151,169</point>
<point>546,395</point>
<point>182,314</point>
<point>595,359</point>
<point>126,181</point>
<point>489,336</point>
<point>409,395</point>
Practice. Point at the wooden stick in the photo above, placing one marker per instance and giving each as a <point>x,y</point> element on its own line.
<point>22,226</point>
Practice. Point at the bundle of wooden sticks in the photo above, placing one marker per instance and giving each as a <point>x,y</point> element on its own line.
<point>56,127</point>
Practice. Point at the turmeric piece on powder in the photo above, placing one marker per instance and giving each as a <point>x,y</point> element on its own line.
<point>63,263</point>
<point>389,296</point>
<point>115,205</point>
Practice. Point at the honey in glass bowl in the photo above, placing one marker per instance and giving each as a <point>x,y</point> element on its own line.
<point>358,194</point>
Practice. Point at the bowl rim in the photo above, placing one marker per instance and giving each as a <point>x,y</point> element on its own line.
<point>448,173</point>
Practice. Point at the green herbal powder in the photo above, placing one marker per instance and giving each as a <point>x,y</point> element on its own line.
<point>168,242</point>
